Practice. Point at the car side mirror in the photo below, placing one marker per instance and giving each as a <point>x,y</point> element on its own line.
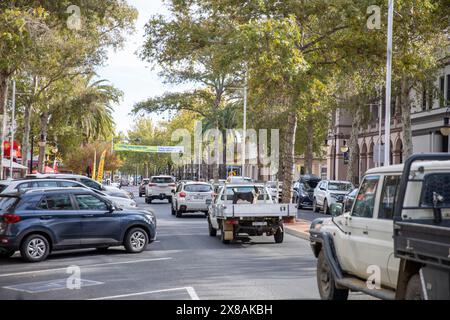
<point>111,208</point>
<point>336,209</point>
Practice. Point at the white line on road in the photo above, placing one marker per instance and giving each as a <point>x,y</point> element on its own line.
<point>190,291</point>
<point>83,266</point>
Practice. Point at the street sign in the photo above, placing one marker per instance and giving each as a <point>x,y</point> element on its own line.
<point>149,149</point>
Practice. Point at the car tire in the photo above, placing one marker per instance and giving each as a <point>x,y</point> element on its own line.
<point>6,254</point>
<point>414,288</point>
<point>279,235</point>
<point>34,248</point>
<point>326,282</point>
<point>325,207</point>
<point>170,199</point>
<point>140,195</point>
<point>173,210</point>
<point>222,236</point>
<point>178,214</point>
<point>136,240</point>
<point>315,207</point>
<point>212,231</point>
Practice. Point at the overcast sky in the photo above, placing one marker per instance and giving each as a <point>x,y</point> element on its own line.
<point>127,72</point>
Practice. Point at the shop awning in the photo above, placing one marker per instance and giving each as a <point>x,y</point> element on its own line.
<point>6,163</point>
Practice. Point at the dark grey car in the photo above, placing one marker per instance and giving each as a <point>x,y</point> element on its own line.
<point>37,222</point>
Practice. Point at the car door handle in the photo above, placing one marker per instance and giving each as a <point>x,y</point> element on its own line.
<point>46,217</point>
<point>365,232</point>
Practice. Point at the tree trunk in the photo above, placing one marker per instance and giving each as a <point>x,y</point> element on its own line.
<point>309,152</point>
<point>3,103</point>
<point>43,140</point>
<point>406,119</point>
<point>353,165</point>
<point>288,157</point>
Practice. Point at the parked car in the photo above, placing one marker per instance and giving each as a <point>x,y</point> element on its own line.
<point>160,187</point>
<point>328,192</point>
<point>306,186</point>
<point>349,199</point>
<point>192,197</point>
<point>25,184</point>
<point>142,186</point>
<point>393,244</point>
<point>37,222</point>
<point>277,191</point>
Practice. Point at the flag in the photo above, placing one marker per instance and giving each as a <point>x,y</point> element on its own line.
<point>101,166</point>
<point>94,167</point>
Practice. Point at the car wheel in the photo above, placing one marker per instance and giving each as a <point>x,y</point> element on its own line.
<point>212,231</point>
<point>326,282</point>
<point>178,213</point>
<point>173,210</point>
<point>6,254</point>
<point>325,207</point>
<point>414,289</point>
<point>136,240</point>
<point>140,195</point>
<point>34,248</point>
<point>279,235</point>
<point>315,207</point>
<point>170,199</point>
<point>222,236</point>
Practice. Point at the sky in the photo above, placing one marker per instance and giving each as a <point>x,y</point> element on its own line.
<point>134,77</point>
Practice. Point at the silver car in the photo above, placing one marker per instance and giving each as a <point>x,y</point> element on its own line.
<point>192,197</point>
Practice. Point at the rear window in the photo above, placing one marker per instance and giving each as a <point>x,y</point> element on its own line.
<point>162,180</point>
<point>439,183</point>
<point>7,202</point>
<point>3,187</point>
<point>197,188</point>
<point>339,186</point>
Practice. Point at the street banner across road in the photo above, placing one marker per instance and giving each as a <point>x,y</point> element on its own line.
<point>149,149</point>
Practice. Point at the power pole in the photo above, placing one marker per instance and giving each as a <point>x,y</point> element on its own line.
<point>387,123</point>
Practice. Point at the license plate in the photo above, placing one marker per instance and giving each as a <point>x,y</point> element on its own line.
<point>198,198</point>
<point>259,224</point>
<point>208,201</point>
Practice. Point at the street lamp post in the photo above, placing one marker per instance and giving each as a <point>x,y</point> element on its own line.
<point>387,124</point>
<point>13,116</point>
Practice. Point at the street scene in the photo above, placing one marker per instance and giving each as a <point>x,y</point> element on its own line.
<point>225,150</point>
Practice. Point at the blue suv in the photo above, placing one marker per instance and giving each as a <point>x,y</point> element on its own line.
<point>40,221</point>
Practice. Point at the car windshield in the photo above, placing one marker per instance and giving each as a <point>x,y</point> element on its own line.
<point>198,188</point>
<point>162,180</point>
<point>7,202</point>
<point>3,187</point>
<point>335,186</point>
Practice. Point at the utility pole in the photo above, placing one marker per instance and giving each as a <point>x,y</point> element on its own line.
<point>387,123</point>
<point>13,116</point>
<point>244,126</point>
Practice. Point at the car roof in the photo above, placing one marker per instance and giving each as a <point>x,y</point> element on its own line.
<point>398,168</point>
<point>248,184</point>
<point>338,181</point>
<point>41,180</point>
<point>62,190</point>
<point>54,176</point>
<point>195,182</point>
<point>162,176</point>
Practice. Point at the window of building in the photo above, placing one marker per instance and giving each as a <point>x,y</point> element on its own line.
<point>441,91</point>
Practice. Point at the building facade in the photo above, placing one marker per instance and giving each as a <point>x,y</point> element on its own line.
<point>428,113</point>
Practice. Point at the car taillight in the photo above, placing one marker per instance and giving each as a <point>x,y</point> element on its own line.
<point>172,185</point>
<point>231,222</point>
<point>182,194</point>
<point>152,184</point>
<point>11,218</point>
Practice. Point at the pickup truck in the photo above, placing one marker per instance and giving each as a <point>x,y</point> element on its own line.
<point>396,233</point>
<point>248,208</point>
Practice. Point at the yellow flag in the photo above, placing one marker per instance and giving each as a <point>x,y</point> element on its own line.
<point>101,166</point>
<point>94,169</point>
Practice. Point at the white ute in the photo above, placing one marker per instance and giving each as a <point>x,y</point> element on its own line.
<point>248,209</point>
<point>355,249</point>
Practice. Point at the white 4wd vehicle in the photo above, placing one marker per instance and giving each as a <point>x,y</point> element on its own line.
<point>160,187</point>
<point>355,250</point>
<point>328,192</point>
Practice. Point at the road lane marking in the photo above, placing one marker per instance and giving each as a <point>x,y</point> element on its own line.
<point>45,286</point>
<point>83,266</point>
<point>190,291</point>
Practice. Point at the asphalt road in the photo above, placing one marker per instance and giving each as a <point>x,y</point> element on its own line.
<point>184,263</point>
